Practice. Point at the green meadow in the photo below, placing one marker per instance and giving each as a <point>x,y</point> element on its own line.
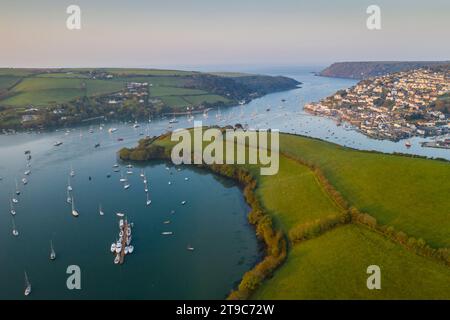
<point>42,91</point>
<point>294,196</point>
<point>333,266</point>
<point>41,88</point>
<point>411,194</point>
<point>408,193</point>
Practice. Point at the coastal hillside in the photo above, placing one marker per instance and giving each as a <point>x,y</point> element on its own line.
<point>363,70</point>
<point>43,98</point>
<point>340,211</point>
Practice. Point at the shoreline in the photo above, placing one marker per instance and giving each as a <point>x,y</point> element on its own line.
<point>258,216</point>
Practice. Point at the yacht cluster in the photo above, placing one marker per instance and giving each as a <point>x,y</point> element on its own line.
<point>123,246</point>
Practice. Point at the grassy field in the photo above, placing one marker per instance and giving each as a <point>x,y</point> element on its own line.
<point>175,102</point>
<point>41,91</point>
<point>410,194</point>
<point>205,98</point>
<point>49,87</point>
<point>174,91</point>
<point>294,196</point>
<point>333,266</point>
<point>7,81</point>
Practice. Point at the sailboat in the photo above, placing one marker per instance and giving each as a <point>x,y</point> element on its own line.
<point>27,286</point>
<point>142,174</point>
<point>69,187</point>
<point>100,210</point>
<point>148,200</point>
<point>122,179</point>
<point>69,198</point>
<point>17,188</point>
<point>13,211</point>
<point>52,251</point>
<point>14,231</point>
<point>72,172</point>
<point>74,211</point>
<point>126,186</point>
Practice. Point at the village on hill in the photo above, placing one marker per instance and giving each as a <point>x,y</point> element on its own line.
<point>394,106</point>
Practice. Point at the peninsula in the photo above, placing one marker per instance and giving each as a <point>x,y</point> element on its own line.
<point>49,98</point>
<point>331,212</point>
<point>363,70</point>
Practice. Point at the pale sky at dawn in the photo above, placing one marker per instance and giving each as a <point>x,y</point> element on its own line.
<point>208,32</point>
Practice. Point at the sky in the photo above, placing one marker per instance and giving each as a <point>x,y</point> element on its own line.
<point>172,33</point>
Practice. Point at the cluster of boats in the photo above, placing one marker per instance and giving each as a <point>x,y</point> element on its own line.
<point>15,198</point>
<point>122,246</point>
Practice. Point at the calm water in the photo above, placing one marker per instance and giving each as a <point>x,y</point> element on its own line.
<point>213,220</point>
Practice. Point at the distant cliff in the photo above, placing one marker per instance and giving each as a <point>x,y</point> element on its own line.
<point>363,70</point>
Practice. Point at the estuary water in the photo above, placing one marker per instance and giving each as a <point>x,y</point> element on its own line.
<point>213,221</point>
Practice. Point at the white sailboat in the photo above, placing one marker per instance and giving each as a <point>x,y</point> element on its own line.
<point>69,187</point>
<point>100,210</point>
<point>52,251</point>
<point>148,200</point>
<point>122,179</point>
<point>27,286</point>
<point>126,186</point>
<point>74,211</point>
<point>14,231</point>
<point>69,198</point>
<point>13,211</point>
<point>72,172</point>
<point>17,188</point>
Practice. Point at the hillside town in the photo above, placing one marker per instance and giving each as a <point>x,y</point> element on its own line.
<point>394,106</point>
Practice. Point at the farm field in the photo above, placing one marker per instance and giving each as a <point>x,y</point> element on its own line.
<point>41,91</point>
<point>410,194</point>
<point>333,266</point>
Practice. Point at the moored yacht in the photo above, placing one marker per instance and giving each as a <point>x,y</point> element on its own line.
<point>17,188</point>
<point>14,230</point>
<point>52,251</point>
<point>69,187</point>
<point>27,286</point>
<point>74,211</point>
<point>12,210</point>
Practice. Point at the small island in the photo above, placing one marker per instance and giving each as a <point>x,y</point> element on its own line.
<point>36,99</point>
